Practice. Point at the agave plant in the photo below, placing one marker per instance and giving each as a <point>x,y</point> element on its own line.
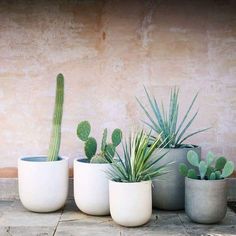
<point>138,162</point>
<point>165,124</point>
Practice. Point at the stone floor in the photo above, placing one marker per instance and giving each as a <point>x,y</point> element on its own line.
<point>15,220</point>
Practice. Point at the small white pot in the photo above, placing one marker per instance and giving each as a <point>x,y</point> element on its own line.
<point>130,203</point>
<point>91,187</point>
<point>43,185</point>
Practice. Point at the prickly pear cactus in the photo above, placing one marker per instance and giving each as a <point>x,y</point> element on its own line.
<point>90,146</point>
<point>55,141</point>
<point>207,171</point>
<point>99,158</point>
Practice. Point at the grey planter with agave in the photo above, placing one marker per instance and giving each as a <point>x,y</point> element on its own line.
<point>206,187</point>
<point>168,191</point>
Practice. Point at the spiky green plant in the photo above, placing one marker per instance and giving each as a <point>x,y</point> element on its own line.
<point>90,147</point>
<point>55,141</point>
<point>138,162</point>
<point>206,170</point>
<point>166,123</point>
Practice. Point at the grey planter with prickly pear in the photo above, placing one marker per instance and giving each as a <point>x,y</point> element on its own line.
<point>168,190</point>
<point>205,200</point>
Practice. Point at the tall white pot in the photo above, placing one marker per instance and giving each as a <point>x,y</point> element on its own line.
<point>91,187</point>
<point>168,190</point>
<point>43,185</point>
<point>130,203</point>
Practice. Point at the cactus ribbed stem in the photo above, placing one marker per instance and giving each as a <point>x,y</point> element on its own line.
<point>57,118</point>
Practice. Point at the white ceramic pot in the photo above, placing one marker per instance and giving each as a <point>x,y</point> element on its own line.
<point>130,203</point>
<point>43,185</point>
<point>91,187</point>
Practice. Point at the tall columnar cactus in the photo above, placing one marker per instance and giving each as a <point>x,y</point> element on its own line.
<point>221,170</point>
<point>90,147</point>
<point>57,118</point>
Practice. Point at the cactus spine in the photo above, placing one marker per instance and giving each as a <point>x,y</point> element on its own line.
<point>57,118</point>
<point>221,170</point>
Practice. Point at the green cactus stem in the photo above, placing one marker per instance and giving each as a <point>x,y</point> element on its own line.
<point>192,174</point>
<point>228,169</point>
<point>116,137</point>
<point>83,130</point>
<point>55,141</point>
<point>183,169</point>
<point>193,158</point>
<point>104,140</point>
<point>220,163</point>
<point>202,169</point>
<point>99,158</point>
<point>90,147</point>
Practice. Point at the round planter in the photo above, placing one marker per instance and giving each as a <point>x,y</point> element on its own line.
<point>91,187</point>
<point>205,200</point>
<point>168,190</point>
<point>43,185</point>
<point>130,203</point>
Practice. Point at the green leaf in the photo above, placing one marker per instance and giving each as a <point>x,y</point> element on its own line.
<point>193,158</point>
<point>194,133</point>
<point>110,150</point>
<point>138,163</point>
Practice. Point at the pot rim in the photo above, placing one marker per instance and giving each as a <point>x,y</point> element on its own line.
<point>174,148</point>
<point>82,161</point>
<point>130,183</point>
<point>205,180</point>
<point>24,159</point>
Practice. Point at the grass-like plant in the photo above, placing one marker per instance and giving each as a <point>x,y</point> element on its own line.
<point>138,162</point>
<point>165,124</point>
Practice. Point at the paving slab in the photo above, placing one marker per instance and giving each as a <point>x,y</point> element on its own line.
<point>15,220</point>
<point>17,215</point>
<point>27,231</point>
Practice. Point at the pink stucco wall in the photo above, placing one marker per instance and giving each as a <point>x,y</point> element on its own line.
<point>107,51</point>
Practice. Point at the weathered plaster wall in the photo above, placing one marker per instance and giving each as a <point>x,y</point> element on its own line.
<point>107,51</point>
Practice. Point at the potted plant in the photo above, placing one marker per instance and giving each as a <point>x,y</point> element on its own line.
<point>90,180</point>
<point>168,193</point>
<point>43,179</point>
<point>130,185</point>
<point>206,187</point>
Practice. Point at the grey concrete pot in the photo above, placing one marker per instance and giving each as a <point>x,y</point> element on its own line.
<point>168,190</point>
<point>205,200</point>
